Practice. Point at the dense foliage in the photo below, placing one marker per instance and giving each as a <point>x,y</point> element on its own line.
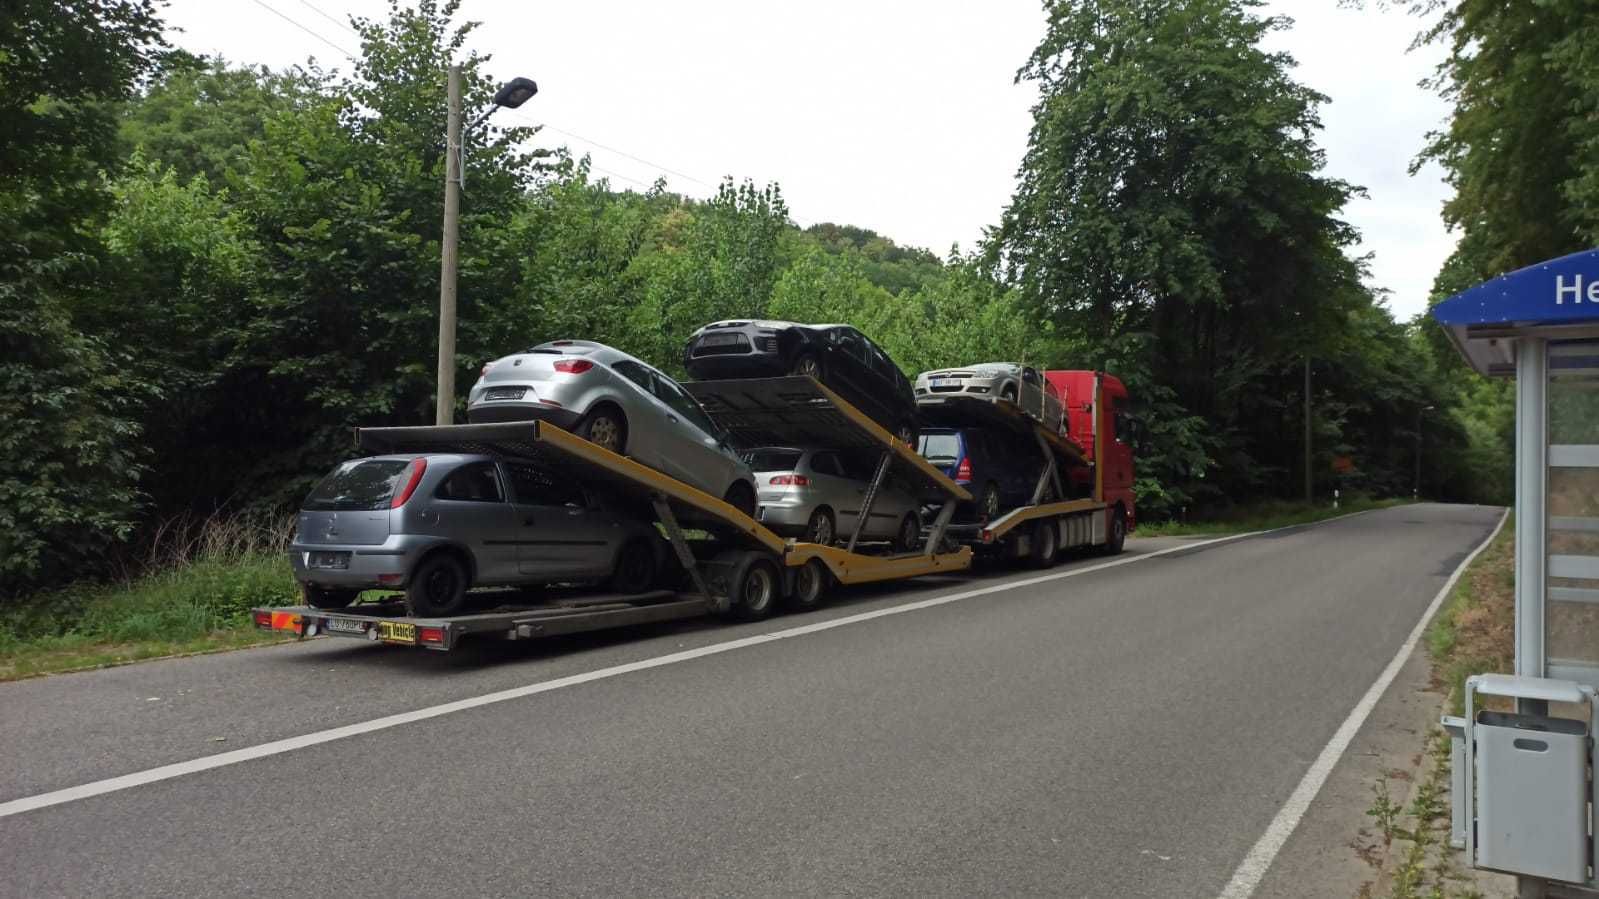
<point>208,272</point>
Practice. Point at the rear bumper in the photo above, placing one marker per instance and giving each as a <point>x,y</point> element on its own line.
<point>390,561</point>
<point>785,518</point>
<point>495,411</point>
<point>753,362</point>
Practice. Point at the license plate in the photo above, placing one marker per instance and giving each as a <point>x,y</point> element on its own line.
<point>334,560</point>
<point>346,626</point>
<point>505,393</point>
<point>720,339</point>
<point>946,382</point>
<point>396,632</point>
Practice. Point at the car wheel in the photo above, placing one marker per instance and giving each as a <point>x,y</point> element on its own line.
<point>910,533</point>
<point>1043,546</point>
<point>1117,538</point>
<point>1008,393</point>
<point>438,586</point>
<point>906,435</point>
<point>988,502</point>
<point>821,529</point>
<point>604,427</point>
<point>741,497</point>
<point>807,365</point>
<point>635,569</point>
<point>810,585</point>
<point>324,598</point>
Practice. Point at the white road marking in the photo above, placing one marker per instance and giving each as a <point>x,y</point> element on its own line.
<point>1255,865</point>
<point>290,744</point>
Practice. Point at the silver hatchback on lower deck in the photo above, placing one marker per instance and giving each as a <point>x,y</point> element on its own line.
<point>816,495</point>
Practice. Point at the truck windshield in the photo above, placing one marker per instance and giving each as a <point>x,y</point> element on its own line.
<point>356,486</point>
<point>940,447</point>
<point>772,460</point>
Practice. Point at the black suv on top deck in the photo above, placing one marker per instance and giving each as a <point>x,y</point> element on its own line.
<point>837,355</point>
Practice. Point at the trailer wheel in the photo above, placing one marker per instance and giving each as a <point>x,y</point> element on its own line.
<point>1043,543</point>
<point>1118,533</point>
<point>753,587</point>
<point>327,598</point>
<point>438,586</point>
<point>810,585</point>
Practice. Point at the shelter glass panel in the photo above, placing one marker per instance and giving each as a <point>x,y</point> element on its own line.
<point>1571,603</point>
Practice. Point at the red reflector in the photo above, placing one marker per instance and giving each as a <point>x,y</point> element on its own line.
<point>573,366</point>
<point>430,634</point>
<point>550,403</point>
<point>988,536</point>
<point>391,580</point>
<point>263,619</point>
<point>790,480</point>
<point>413,476</point>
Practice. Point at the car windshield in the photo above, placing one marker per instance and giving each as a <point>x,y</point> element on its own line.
<point>357,486</point>
<point>772,459</point>
<point>940,447</point>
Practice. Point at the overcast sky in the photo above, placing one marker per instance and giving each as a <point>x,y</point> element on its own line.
<point>900,116</point>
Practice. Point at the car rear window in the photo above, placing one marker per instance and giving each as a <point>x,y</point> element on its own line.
<point>772,460</point>
<point>940,447</point>
<point>357,486</point>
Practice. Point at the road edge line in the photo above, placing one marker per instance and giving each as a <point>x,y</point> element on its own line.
<point>1252,870</point>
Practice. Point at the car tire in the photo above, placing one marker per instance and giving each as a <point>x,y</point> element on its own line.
<point>754,586</point>
<point>606,428</point>
<point>1117,538</point>
<point>807,365</point>
<point>636,570</point>
<point>906,435</point>
<point>909,533</point>
<point>326,598</point>
<point>437,586</point>
<point>1008,393</point>
<point>741,496</point>
<point>811,583</point>
<point>988,502</point>
<point>822,528</point>
<point>1043,545</point>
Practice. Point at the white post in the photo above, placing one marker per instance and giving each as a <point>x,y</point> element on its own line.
<point>1532,482</point>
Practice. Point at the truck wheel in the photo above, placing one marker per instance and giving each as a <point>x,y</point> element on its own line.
<point>810,585</point>
<point>325,598</point>
<point>754,587</point>
<point>1043,543</point>
<point>635,568</point>
<point>1118,533</point>
<point>438,586</point>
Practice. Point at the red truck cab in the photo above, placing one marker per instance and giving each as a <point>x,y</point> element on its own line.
<point>1089,425</point>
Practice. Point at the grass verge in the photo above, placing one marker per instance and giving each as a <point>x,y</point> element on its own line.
<point>195,597</point>
<point>1264,516</point>
<point>1475,631</point>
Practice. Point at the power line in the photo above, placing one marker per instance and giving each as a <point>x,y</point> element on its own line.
<point>347,54</point>
<point>318,10</point>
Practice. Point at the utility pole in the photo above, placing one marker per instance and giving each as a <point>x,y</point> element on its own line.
<point>448,253</point>
<point>1310,495</point>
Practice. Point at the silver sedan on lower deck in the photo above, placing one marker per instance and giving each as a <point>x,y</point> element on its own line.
<point>816,495</point>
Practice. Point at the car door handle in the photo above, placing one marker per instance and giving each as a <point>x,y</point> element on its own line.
<point>672,419</point>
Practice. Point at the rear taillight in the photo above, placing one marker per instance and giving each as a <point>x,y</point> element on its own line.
<point>963,472</point>
<point>484,371</point>
<point>790,480</point>
<point>573,366</point>
<point>263,620</point>
<point>430,634</point>
<point>413,476</point>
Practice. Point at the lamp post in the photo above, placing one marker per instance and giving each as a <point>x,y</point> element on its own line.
<point>511,95</point>
<point>1415,491</point>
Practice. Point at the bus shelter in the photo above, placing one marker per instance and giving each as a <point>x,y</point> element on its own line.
<point>1523,789</point>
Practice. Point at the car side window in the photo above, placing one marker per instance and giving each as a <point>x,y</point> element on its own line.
<point>1029,376</point>
<point>535,487</point>
<point>634,372</point>
<point>683,404</point>
<point>852,344</point>
<point>475,483</point>
<point>826,463</point>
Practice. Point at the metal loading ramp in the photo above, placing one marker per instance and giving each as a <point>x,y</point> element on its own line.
<point>798,411</point>
<point>565,456</point>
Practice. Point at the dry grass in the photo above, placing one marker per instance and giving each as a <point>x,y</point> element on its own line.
<point>1475,632</point>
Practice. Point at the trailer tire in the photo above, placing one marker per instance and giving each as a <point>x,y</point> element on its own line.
<point>438,586</point>
<point>327,597</point>
<point>754,586</point>
<point>635,570</point>
<point>1044,548</point>
<point>1117,538</point>
<point>811,582</point>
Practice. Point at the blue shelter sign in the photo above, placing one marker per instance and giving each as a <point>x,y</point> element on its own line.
<point>1558,298</point>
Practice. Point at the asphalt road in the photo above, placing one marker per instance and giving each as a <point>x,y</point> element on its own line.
<point>1126,731</point>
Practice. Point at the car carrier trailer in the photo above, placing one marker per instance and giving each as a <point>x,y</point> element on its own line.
<point>744,571</point>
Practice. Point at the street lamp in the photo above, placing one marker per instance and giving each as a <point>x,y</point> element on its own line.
<point>510,95</point>
<point>1415,491</point>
